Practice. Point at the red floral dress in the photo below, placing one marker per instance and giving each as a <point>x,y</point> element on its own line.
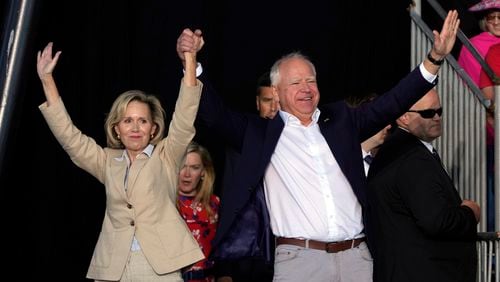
<point>203,229</point>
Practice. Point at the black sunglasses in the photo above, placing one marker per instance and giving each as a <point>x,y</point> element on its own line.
<point>429,113</point>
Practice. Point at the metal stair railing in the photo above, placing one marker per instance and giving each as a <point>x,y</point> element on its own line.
<point>462,145</point>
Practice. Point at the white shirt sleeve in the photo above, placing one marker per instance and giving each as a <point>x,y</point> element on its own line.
<point>199,69</point>
<point>425,73</point>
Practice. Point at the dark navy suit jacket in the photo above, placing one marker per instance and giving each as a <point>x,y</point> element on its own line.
<point>244,222</point>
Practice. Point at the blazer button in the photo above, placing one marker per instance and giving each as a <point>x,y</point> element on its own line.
<point>132,223</point>
<point>129,206</point>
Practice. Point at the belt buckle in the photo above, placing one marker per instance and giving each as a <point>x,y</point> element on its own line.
<point>330,247</point>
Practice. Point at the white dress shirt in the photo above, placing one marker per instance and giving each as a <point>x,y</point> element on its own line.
<point>365,163</point>
<point>307,194</point>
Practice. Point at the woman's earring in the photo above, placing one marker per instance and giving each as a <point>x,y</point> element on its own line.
<point>152,135</point>
<point>118,136</point>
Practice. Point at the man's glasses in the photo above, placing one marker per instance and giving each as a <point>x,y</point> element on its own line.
<point>429,113</point>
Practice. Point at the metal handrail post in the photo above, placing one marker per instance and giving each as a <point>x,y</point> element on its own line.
<point>15,35</point>
<point>497,158</point>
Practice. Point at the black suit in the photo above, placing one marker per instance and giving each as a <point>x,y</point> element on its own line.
<point>421,232</point>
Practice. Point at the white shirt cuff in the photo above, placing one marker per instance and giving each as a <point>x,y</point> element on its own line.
<point>199,69</point>
<point>426,74</point>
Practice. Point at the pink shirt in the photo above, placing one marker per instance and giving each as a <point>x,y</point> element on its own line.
<point>493,60</point>
<point>482,42</point>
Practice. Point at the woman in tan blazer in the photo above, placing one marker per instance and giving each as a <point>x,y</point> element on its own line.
<point>143,236</point>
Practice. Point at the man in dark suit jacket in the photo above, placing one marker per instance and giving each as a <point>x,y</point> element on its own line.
<point>422,229</point>
<point>255,268</point>
<point>301,173</point>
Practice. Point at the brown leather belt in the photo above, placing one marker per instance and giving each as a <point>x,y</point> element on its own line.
<point>329,247</point>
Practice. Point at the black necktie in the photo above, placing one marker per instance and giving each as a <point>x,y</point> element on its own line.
<point>436,156</point>
<point>368,159</point>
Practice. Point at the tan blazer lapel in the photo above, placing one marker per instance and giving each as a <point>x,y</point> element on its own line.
<point>134,171</point>
<point>119,168</point>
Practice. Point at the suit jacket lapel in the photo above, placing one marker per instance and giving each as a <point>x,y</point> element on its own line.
<point>119,168</point>
<point>272,135</point>
<point>331,130</point>
<point>134,171</point>
<point>343,153</point>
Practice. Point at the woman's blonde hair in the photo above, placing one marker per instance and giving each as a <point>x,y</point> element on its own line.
<point>118,111</point>
<point>205,186</point>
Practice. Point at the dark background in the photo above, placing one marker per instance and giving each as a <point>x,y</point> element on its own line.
<point>52,209</point>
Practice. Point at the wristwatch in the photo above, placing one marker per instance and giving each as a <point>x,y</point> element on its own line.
<point>434,61</point>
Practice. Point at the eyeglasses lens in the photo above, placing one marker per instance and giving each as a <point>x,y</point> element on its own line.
<point>491,17</point>
<point>429,113</point>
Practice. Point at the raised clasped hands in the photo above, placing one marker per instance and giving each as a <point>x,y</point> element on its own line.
<point>189,42</point>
